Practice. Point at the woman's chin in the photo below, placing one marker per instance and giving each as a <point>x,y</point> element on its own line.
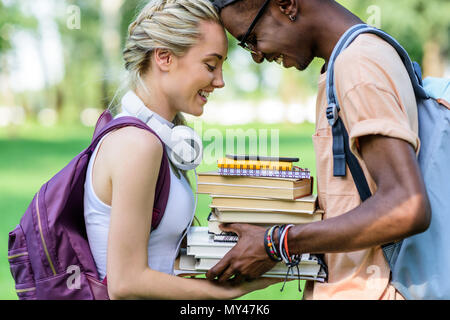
<point>196,112</point>
<point>199,113</point>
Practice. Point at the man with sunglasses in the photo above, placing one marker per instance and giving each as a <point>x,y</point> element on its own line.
<point>380,113</point>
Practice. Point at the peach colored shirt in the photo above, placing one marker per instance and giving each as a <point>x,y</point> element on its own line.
<point>376,97</point>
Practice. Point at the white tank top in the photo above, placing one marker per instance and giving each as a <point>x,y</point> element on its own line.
<point>164,242</point>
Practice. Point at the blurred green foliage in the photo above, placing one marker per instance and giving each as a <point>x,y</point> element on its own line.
<point>12,18</point>
<point>414,22</point>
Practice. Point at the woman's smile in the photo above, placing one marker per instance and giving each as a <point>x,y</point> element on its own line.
<point>203,95</point>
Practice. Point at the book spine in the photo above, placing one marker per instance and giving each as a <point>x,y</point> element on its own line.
<point>293,174</point>
<point>225,238</point>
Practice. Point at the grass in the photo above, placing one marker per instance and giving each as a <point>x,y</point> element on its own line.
<point>31,154</point>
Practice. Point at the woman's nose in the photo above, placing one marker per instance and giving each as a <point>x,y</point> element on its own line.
<point>218,81</point>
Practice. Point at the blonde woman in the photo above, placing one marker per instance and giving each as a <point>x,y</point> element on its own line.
<point>174,55</point>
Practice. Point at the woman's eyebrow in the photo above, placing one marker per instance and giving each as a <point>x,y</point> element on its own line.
<point>220,57</point>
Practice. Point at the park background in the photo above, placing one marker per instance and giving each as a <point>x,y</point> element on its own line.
<point>60,66</point>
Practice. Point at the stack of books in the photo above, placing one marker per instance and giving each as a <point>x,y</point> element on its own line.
<point>262,199</point>
<point>259,200</point>
<point>203,252</point>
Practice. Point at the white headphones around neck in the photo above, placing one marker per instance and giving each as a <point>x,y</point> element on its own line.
<point>184,144</point>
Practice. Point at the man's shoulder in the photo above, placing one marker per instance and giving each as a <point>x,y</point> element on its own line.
<point>370,59</point>
<point>367,47</point>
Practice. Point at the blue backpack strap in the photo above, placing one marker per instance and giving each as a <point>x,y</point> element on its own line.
<point>339,154</point>
<point>340,46</point>
<point>342,154</point>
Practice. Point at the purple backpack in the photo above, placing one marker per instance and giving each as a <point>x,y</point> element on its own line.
<point>48,251</point>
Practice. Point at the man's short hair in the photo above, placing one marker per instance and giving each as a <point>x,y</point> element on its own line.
<point>244,5</point>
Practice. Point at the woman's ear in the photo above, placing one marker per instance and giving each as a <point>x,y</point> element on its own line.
<point>163,59</point>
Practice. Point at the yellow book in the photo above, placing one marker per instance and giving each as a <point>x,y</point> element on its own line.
<point>254,164</point>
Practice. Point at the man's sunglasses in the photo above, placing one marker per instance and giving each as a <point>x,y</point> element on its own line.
<point>243,42</point>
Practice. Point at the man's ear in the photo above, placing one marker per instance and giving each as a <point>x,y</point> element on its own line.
<point>163,59</point>
<point>288,7</point>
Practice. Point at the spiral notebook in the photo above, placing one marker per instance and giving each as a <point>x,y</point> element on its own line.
<point>261,168</point>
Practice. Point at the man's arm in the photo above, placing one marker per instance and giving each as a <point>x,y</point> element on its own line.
<point>398,209</point>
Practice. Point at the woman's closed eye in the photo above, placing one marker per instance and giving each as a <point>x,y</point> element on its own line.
<point>210,67</point>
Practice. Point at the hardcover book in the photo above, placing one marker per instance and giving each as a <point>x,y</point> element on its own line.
<point>213,177</point>
<point>236,216</point>
<point>306,204</point>
<point>213,225</point>
<point>185,267</point>
<point>276,188</point>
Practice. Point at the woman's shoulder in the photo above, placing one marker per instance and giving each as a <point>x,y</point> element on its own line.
<point>133,134</point>
<point>132,145</point>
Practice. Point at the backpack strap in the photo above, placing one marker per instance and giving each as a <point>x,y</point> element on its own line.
<point>105,118</point>
<point>105,125</point>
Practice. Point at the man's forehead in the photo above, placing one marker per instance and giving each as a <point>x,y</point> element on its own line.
<point>236,22</point>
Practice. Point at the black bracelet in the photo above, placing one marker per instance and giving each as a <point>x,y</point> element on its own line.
<point>269,245</point>
<point>275,248</point>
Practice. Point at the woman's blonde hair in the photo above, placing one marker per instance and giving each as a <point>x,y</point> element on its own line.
<point>164,24</point>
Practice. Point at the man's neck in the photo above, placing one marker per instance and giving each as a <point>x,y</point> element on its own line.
<point>331,24</point>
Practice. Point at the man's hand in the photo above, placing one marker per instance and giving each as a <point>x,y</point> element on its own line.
<point>247,259</point>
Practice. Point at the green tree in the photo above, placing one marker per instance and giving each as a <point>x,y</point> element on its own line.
<point>12,19</point>
<point>81,86</point>
<point>421,26</point>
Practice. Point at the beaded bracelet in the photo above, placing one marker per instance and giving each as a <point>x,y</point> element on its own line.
<point>269,244</point>
<point>275,249</point>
